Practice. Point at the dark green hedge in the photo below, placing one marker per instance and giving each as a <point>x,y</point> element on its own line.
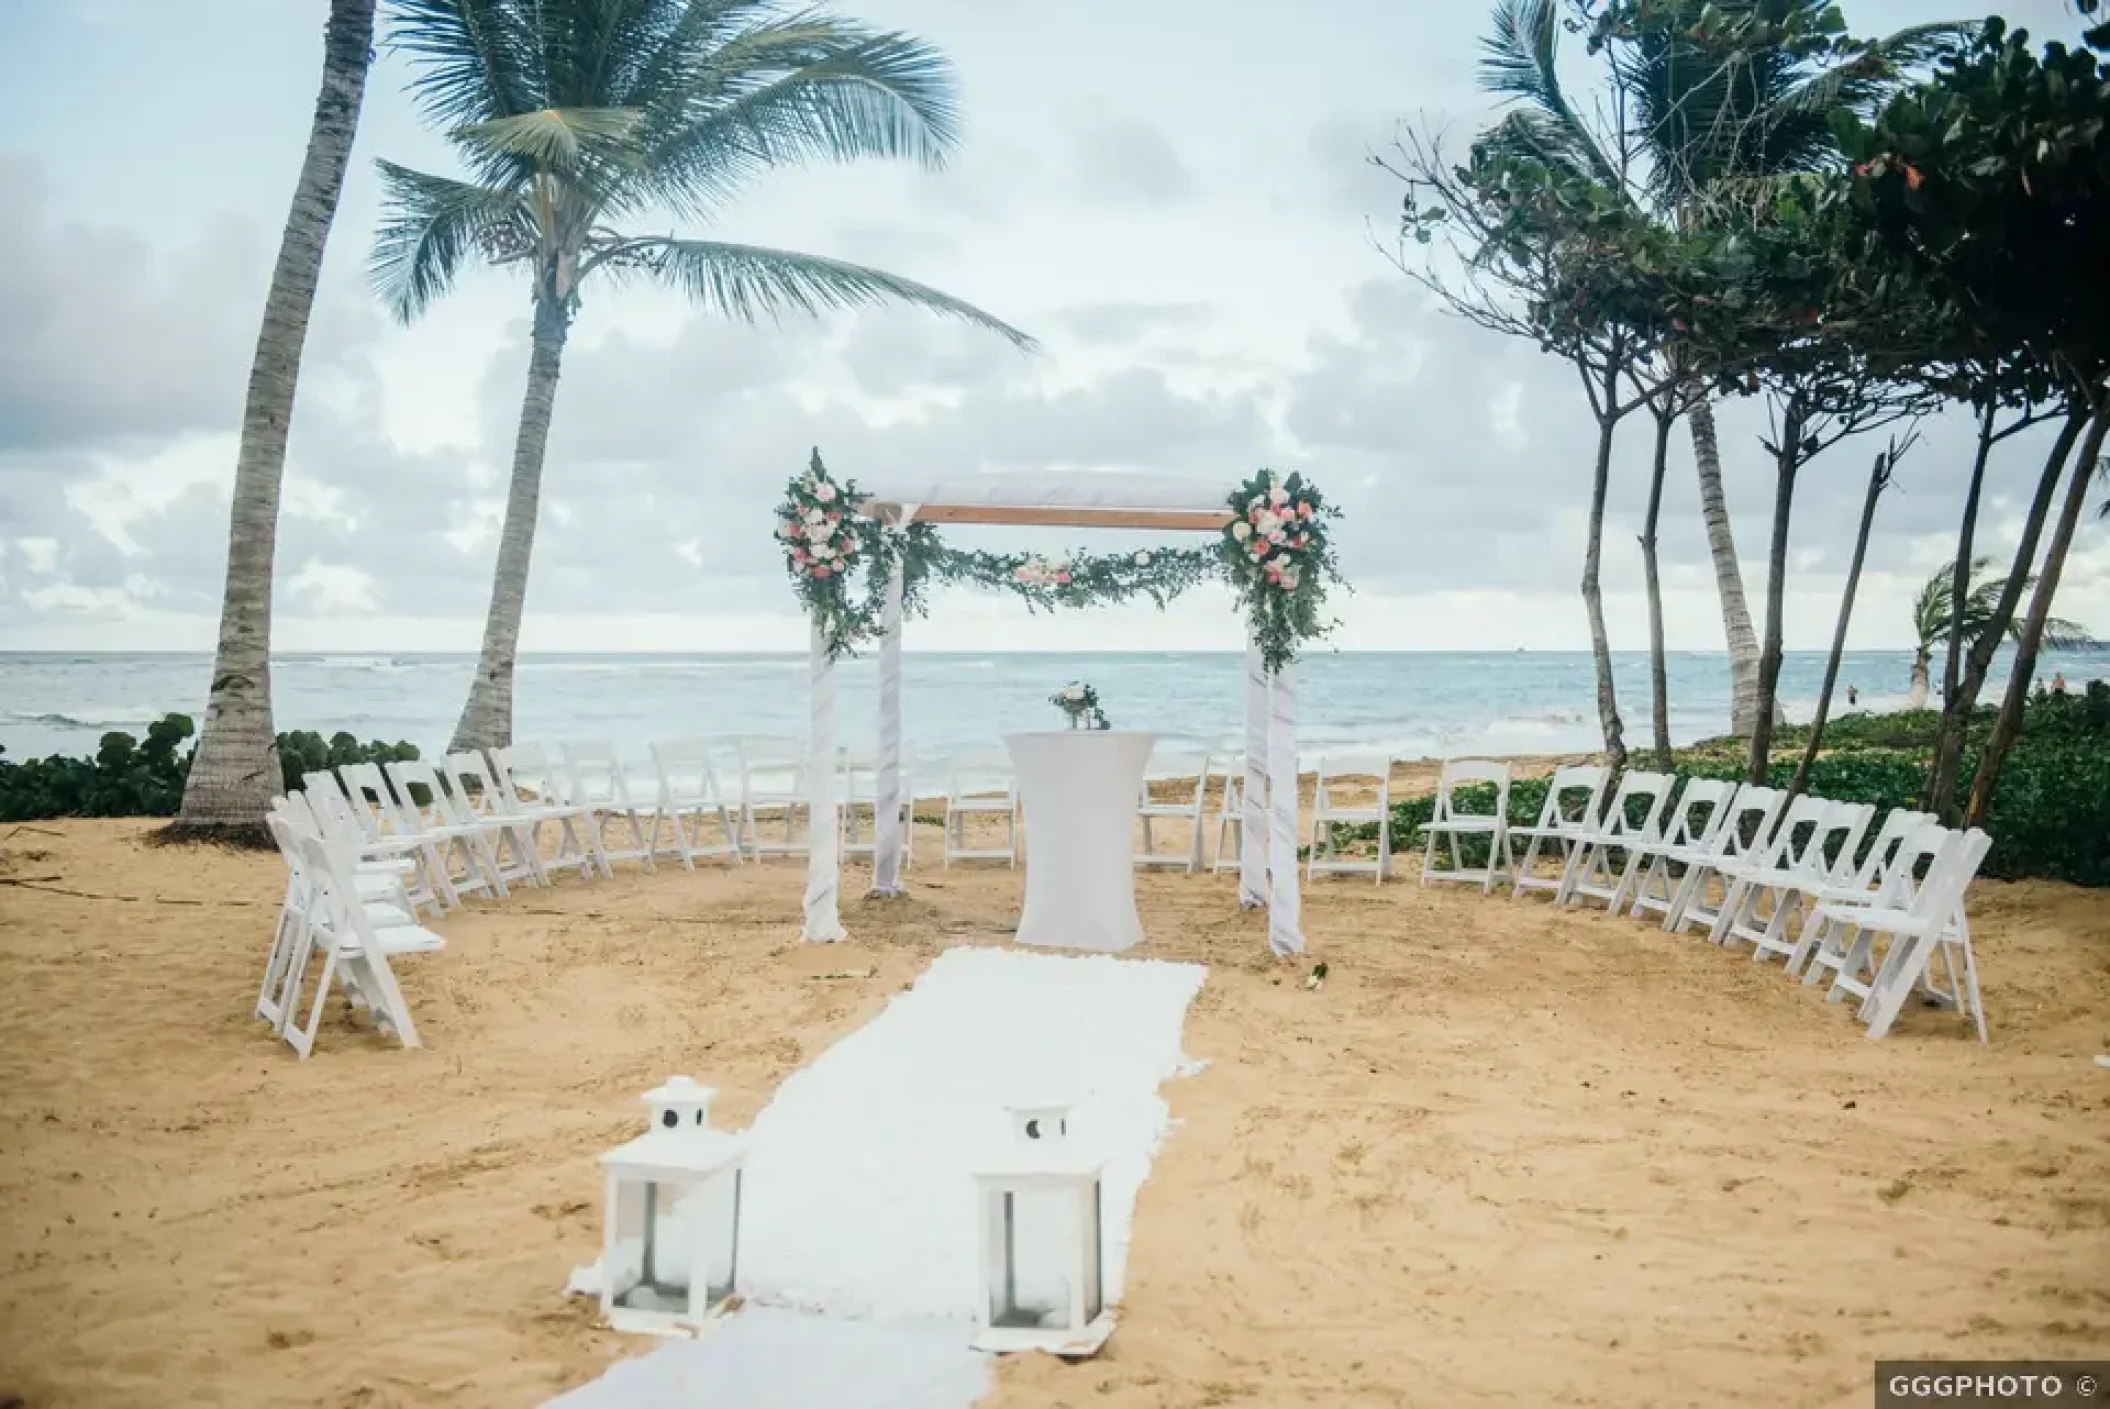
<point>129,777</point>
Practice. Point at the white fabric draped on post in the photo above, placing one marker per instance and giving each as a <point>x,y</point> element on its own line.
<point>1285,934</point>
<point>886,812</point>
<point>823,870</point>
<point>1252,816</point>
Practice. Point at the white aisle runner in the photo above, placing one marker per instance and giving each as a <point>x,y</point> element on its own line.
<point>858,1200</point>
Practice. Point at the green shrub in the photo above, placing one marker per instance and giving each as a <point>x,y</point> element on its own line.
<point>133,778</point>
<point>126,778</point>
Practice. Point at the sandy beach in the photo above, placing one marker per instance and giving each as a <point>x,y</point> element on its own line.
<point>1504,1155</point>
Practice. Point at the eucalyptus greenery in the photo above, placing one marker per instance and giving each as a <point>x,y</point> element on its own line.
<point>1274,551</point>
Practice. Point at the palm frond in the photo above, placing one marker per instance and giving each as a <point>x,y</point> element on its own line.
<point>553,139</point>
<point>749,282</point>
<point>431,226</point>
<point>1883,66</point>
<point>805,90</point>
<point>470,60</point>
<point>1519,58</point>
<point>2063,635</point>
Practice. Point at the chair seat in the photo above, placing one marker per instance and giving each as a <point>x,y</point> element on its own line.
<point>1463,824</point>
<point>1869,917</point>
<point>983,804</point>
<point>378,886</point>
<point>1565,833</point>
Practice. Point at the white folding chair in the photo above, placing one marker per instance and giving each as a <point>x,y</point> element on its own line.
<point>510,839</point>
<point>381,895</point>
<point>982,785</point>
<point>1753,815</point>
<point>593,777</point>
<point>1449,821</point>
<point>1574,798</point>
<point>1174,802</point>
<point>531,793</point>
<point>1861,882</point>
<point>1606,857</point>
<point>327,802</point>
<point>1230,815</point>
<point>860,801</point>
<point>773,778</point>
<point>1920,919</point>
<point>1810,852</point>
<point>354,952</point>
<point>1702,810</point>
<point>439,821</point>
<point>689,799</point>
<point>1332,807</point>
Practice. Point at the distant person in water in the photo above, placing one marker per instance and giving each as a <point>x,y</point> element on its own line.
<point>1853,696</point>
<point>2058,682</point>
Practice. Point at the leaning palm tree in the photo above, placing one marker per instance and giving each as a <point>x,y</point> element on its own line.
<point>1709,119</point>
<point>575,118</point>
<point>235,771</point>
<point>1934,620</point>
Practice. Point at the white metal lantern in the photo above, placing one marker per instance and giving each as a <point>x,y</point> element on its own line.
<point>1041,1231</point>
<point>670,1249</point>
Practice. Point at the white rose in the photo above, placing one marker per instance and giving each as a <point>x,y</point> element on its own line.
<point>1289,579</point>
<point>1276,535</point>
<point>1241,530</point>
<point>826,494</point>
<point>1256,501</point>
<point>818,532</point>
<point>1073,693</point>
<point>1277,496</point>
<point>1142,560</point>
<point>815,516</point>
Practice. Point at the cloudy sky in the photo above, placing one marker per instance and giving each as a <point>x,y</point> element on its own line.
<point>1173,196</point>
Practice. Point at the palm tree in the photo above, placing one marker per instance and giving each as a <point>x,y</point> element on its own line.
<point>235,772</point>
<point>1708,119</point>
<point>574,115</point>
<point>1933,618</point>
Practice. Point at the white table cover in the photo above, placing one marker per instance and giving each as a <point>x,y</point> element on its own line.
<point>1078,788</point>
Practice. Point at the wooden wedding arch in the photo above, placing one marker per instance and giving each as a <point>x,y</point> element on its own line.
<point>1267,861</point>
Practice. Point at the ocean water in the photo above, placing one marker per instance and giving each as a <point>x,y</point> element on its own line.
<point>1416,704</point>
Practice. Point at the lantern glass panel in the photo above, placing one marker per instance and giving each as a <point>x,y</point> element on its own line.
<point>1034,1234</point>
<point>713,1210</point>
<point>652,1248</point>
<point>1092,1275</point>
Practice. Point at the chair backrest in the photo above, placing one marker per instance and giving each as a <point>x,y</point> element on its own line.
<point>529,767</point>
<point>1912,865</point>
<point>1471,772</point>
<point>860,777</point>
<point>411,776</point>
<point>1572,797</point>
<point>1749,824</point>
<point>323,796</point>
<point>1177,765</point>
<point>1701,812</point>
<point>771,763</point>
<point>593,771</point>
<point>368,792</point>
<point>1638,805</point>
<point>983,775</point>
<point>1869,874</point>
<point>1796,836</point>
<point>686,773</point>
<point>1830,856</point>
<point>475,789</point>
<point>1955,866</point>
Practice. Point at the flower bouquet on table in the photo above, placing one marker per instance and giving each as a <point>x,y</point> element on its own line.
<point>1080,702</point>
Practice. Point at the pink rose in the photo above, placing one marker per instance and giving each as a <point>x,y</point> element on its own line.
<point>1062,577</point>
<point>820,571</point>
<point>834,517</point>
<point>1304,510</point>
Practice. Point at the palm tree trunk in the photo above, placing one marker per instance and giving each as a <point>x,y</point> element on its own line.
<point>2010,721</point>
<point>235,772</point>
<point>1922,680</point>
<point>1956,713</point>
<point>1788,460</point>
<point>1960,586</point>
<point>1593,598</point>
<point>1658,671</point>
<point>1728,572</point>
<point>1877,479</point>
<point>487,717</point>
